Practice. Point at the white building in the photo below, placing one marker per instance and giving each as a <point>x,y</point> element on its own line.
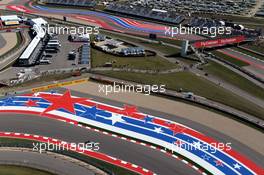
<point>10,20</point>
<point>37,25</point>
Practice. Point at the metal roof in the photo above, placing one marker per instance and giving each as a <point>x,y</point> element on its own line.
<point>31,47</point>
<point>10,18</point>
<point>40,33</point>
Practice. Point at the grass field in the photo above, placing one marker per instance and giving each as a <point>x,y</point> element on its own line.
<point>230,59</point>
<point>18,170</point>
<point>233,78</point>
<point>99,58</point>
<point>190,82</point>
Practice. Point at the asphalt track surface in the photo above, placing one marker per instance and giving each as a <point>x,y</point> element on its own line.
<point>210,132</point>
<point>148,158</point>
<point>2,42</point>
<point>143,156</point>
<point>252,61</point>
<point>104,20</point>
<point>44,161</point>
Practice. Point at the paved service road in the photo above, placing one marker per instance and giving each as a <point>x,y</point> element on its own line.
<point>44,161</point>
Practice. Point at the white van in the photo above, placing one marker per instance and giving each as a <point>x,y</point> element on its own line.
<point>44,61</point>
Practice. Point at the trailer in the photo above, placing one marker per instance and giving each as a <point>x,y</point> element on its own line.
<point>52,47</point>
<point>51,50</point>
<point>54,44</point>
<point>53,40</point>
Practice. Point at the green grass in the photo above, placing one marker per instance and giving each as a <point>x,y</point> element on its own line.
<point>190,82</point>
<point>19,170</point>
<point>230,59</point>
<point>234,78</point>
<point>150,63</point>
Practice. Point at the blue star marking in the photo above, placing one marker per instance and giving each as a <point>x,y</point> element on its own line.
<point>8,102</point>
<point>90,112</point>
<point>148,119</point>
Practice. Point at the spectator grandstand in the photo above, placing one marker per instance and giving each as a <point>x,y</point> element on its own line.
<point>80,3</point>
<point>146,12</point>
<point>236,28</point>
<point>188,6</point>
<point>204,22</point>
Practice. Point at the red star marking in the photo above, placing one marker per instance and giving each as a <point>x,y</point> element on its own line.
<point>129,110</point>
<point>62,102</point>
<point>218,163</point>
<point>31,103</point>
<point>176,129</point>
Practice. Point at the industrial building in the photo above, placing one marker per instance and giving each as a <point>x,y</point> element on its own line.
<point>79,38</point>
<point>117,47</point>
<point>31,53</point>
<point>10,20</point>
<point>85,54</point>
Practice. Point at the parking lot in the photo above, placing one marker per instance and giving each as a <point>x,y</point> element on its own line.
<point>57,60</point>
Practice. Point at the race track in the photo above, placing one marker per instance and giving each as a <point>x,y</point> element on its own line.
<point>138,154</point>
<point>104,20</point>
<point>36,114</point>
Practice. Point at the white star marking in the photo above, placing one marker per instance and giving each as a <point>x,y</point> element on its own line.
<point>116,118</point>
<point>237,166</point>
<point>158,130</point>
<point>36,94</point>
